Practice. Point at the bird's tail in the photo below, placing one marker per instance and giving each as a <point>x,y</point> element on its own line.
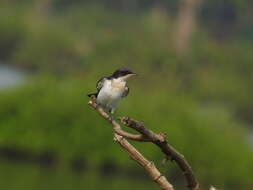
<point>92,94</point>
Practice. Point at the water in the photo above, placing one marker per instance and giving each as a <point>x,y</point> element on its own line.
<point>10,76</point>
<point>18,176</point>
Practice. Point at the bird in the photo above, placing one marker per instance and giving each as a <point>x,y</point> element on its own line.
<point>111,89</point>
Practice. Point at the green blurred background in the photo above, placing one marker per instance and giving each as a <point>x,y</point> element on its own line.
<point>195,64</point>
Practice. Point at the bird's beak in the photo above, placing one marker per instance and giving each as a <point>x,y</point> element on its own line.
<point>129,76</point>
<point>133,74</point>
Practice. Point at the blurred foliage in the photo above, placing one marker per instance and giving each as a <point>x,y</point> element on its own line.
<point>202,100</point>
<point>53,115</point>
<point>30,177</point>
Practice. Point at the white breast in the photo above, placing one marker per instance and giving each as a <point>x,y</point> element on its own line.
<point>111,93</point>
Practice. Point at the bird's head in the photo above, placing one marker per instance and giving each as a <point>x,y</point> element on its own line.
<point>123,74</point>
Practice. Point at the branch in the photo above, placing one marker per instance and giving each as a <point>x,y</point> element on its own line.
<point>116,127</point>
<point>147,165</point>
<point>147,135</point>
<point>120,136</point>
<point>168,150</point>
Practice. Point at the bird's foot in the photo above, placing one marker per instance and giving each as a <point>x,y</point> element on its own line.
<point>112,110</point>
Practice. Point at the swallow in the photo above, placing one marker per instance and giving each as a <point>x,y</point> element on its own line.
<point>111,89</point>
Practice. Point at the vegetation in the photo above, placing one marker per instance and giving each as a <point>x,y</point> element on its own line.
<point>53,115</point>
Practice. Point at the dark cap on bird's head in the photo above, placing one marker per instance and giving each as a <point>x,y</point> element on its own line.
<point>121,72</point>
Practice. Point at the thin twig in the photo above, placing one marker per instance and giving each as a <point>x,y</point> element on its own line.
<point>168,150</point>
<point>116,127</point>
<point>119,137</point>
<point>150,167</point>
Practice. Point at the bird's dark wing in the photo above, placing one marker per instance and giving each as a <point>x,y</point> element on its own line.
<point>126,92</point>
<point>99,85</point>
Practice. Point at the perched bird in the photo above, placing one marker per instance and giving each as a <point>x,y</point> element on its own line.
<point>110,90</point>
